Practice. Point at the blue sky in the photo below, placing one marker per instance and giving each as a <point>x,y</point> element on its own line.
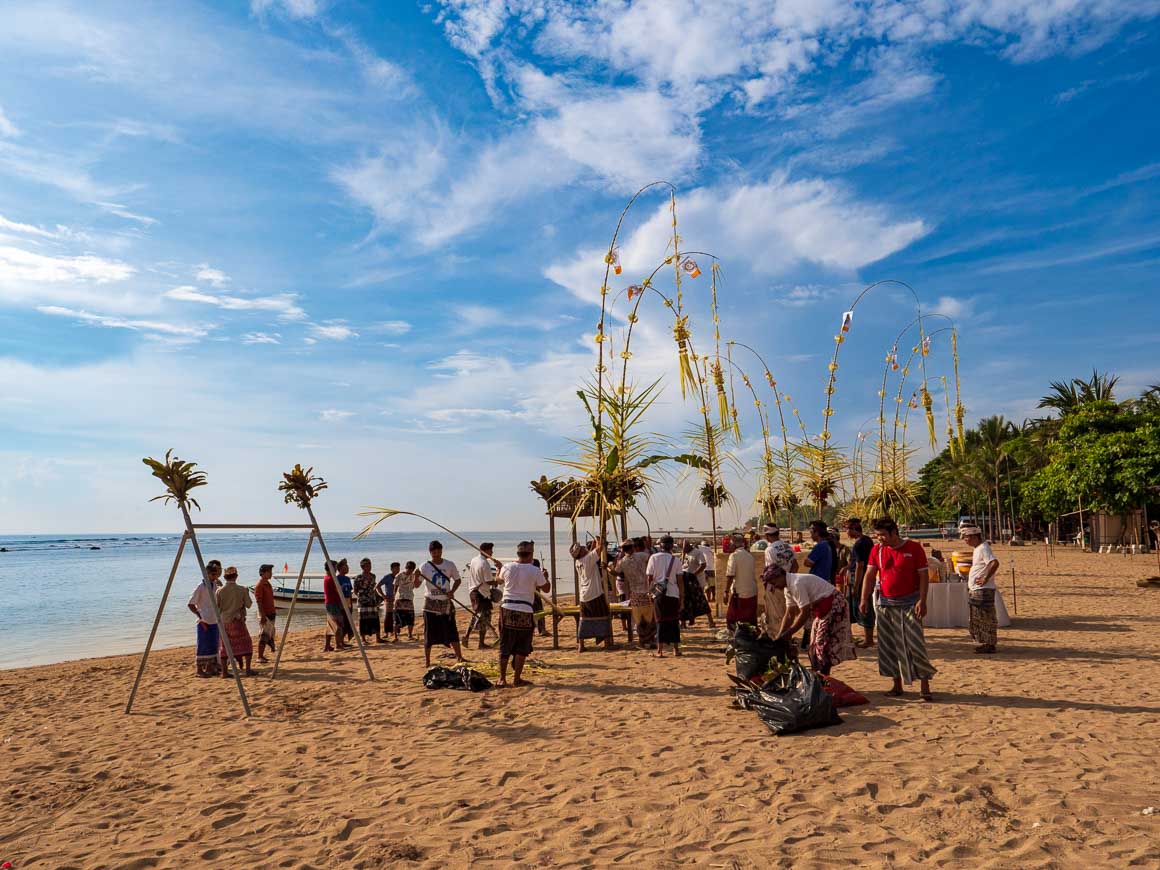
<point>368,236</point>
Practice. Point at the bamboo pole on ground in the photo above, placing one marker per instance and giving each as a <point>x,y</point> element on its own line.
<point>293,602</point>
<point>156,621</point>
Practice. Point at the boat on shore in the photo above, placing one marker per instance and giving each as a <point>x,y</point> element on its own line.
<point>309,595</point>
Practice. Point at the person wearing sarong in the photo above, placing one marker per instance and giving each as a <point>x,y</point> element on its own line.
<point>777,552</point>
<point>664,580</point>
<point>346,586</point>
<point>441,580</point>
<point>386,588</point>
<point>632,566</point>
<point>981,590</point>
<point>695,603</point>
<point>233,601</point>
<point>899,579</point>
<point>740,586</point>
<point>367,597</point>
<point>595,615</point>
<point>809,596</point>
<point>860,547</point>
<point>520,581</point>
<point>404,605</point>
<point>264,602</point>
<point>480,582</point>
<point>201,603</point>
<point>335,637</point>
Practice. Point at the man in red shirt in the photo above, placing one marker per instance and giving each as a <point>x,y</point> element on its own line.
<point>898,577</point>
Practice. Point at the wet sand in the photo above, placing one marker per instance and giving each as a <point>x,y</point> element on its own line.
<point>1044,755</point>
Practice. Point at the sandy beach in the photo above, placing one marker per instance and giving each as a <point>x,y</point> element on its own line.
<point>1041,756</point>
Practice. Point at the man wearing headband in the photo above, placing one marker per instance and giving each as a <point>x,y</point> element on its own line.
<point>233,601</point>
<point>595,614</point>
<point>441,580</point>
<point>480,581</point>
<point>981,588</point>
<point>772,598</point>
<point>520,581</point>
<point>740,586</point>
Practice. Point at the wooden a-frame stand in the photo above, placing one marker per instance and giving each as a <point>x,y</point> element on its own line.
<point>190,536</point>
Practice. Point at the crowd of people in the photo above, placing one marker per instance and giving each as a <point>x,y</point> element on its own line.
<point>821,590</point>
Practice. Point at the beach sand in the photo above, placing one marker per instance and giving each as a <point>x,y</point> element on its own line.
<point>1044,755</point>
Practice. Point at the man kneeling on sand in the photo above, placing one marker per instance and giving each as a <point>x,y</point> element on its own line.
<point>519,580</point>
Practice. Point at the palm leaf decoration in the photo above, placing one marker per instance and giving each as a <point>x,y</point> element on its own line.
<point>384,513</point>
<point>301,486</point>
<point>179,477</point>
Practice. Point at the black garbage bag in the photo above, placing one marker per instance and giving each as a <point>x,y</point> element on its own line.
<point>794,701</point>
<point>459,677</point>
<point>753,652</point>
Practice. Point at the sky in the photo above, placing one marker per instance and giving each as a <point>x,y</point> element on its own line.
<point>369,237</point>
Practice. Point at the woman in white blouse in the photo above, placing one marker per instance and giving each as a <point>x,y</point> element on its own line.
<point>806,595</point>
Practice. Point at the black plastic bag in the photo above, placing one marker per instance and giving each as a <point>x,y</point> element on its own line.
<point>754,652</point>
<point>460,677</point>
<point>794,701</point>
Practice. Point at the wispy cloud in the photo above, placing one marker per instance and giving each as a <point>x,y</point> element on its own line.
<point>334,415</point>
<point>209,275</point>
<point>7,128</point>
<point>284,305</point>
<point>333,331</point>
<point>18,265</point>
<point>261,338</point>
<point>113,322</point>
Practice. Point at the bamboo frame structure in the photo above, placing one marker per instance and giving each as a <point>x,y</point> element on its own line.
<point>190,536</point>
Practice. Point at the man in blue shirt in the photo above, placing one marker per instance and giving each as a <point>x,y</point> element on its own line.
<point>820,561</point>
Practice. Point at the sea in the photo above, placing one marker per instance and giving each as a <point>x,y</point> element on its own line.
<point>65,597</point>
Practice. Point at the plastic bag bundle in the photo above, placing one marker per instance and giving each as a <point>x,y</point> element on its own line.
<point>460,677</point>
<point>791,702</point>
<point>753,652</point>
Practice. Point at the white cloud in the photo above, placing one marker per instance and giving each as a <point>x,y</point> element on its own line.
<point>18,265</point>
<point>284,305</point>
<point>394,327</point>
<point>261,338</point>
<point>7,128</point>
<point>951,307</point>
<point>333,415</point>
<point>333,331</point>
<point>150,326</point>
<point>24,229</point>
<point>210,275</point>
<point>766,227</point>
<point>123,212</point>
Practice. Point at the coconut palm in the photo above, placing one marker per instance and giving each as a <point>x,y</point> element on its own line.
<point>180,479</point>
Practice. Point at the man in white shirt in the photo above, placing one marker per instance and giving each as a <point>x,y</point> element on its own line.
<point>202,604</point>
<point>441,580</point>
<point>981,588</point>
<point>664,570</point>
<point>595,614</point>
<point>773,599</point>
<point>741,586</point>
<point>480,582</point>
<point>520,581</point>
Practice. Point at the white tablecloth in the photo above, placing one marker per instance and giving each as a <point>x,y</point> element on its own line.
<point>947,607</point>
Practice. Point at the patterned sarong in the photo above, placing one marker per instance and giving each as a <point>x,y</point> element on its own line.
<point>595,620</point>
<point>440,628</point>
<point>984,623</point>
<point>516,630</point>
<point>240,641</point>
<point>901,644</point>
<point>830,639</point>
<point>404,613</point>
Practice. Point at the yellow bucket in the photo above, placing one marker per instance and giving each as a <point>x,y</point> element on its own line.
<point>961,559</point>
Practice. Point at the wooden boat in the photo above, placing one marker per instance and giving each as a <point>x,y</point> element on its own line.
<point>309,595</point>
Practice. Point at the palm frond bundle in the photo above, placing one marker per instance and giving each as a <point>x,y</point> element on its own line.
<point>179,478</point>
<point>301,486</point>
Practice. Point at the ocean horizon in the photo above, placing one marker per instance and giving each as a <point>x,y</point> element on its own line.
<point>74,596</point>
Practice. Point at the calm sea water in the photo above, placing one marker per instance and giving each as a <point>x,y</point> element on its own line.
<point>61,599</point>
